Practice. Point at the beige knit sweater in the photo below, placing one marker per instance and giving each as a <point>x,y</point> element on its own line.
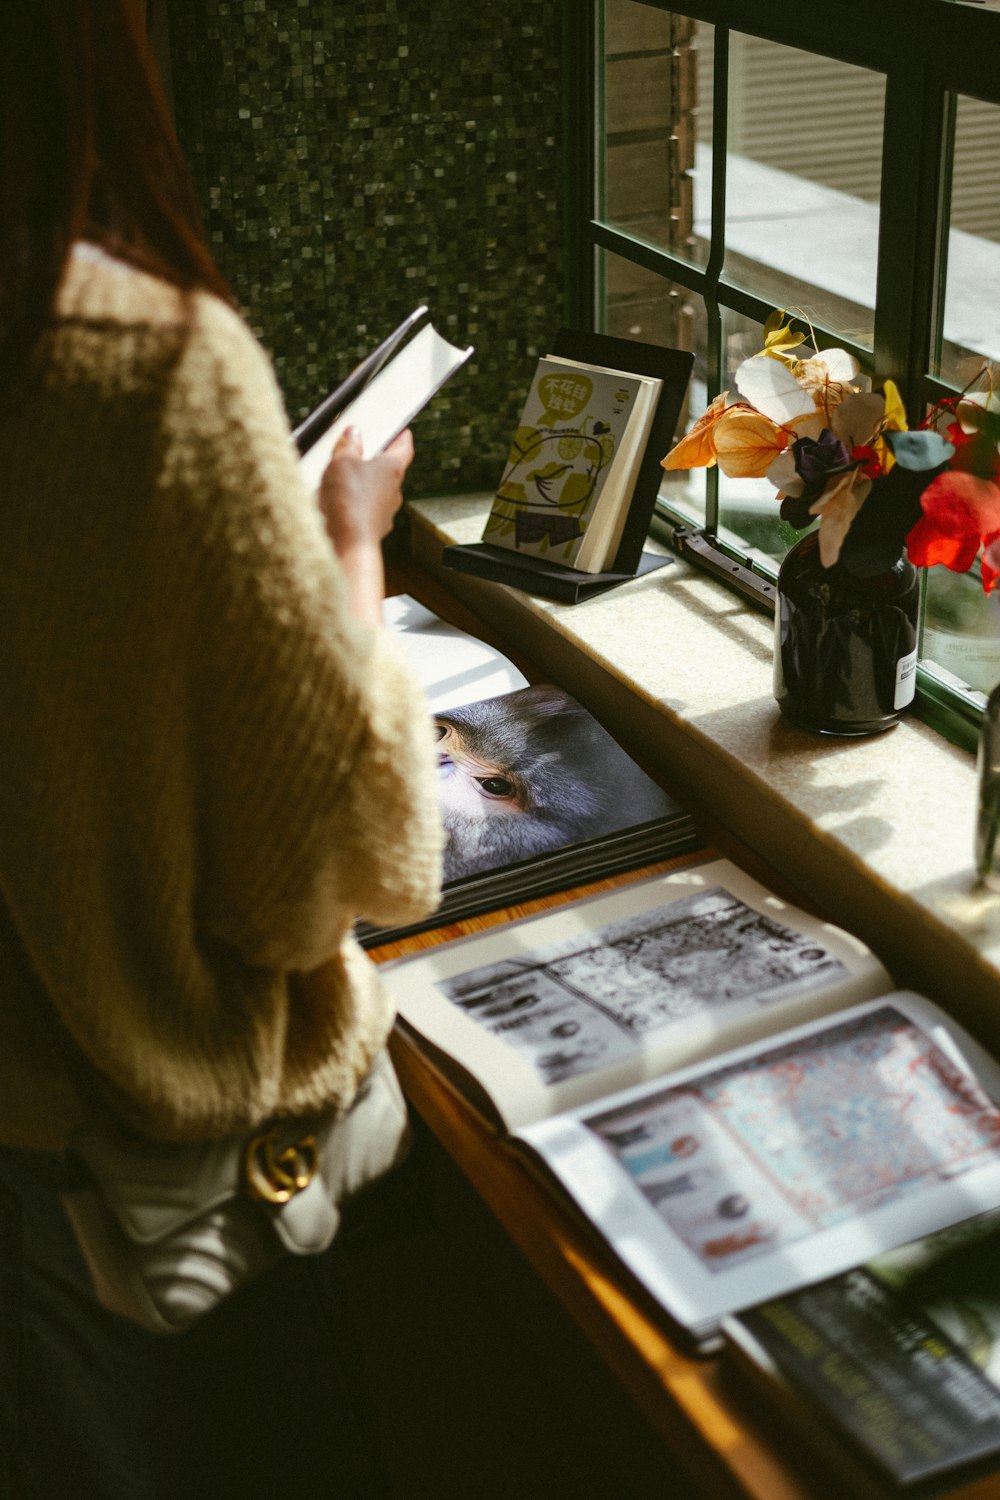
<point>207,769</point>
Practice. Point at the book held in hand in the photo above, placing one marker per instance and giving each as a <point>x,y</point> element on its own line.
<point>382,395</point>
<point>725,1087</point>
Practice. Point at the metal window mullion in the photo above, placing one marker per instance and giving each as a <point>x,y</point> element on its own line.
<point>962,49</point>
<point>644,253</point>
<point>907,282</point>
<point>949,105</point>
<point>906,289</point>
<point>715,351</point>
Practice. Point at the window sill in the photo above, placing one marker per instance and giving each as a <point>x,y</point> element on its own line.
<point>877,832</point>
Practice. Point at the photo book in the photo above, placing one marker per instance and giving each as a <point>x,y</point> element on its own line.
<point>890,1371</point>
<point>727,1089</point>
<point>382,395</point>
<point>536,796</point>
<point>574,501</point>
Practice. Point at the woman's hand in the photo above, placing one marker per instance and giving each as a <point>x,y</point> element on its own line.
<point>359,498</point>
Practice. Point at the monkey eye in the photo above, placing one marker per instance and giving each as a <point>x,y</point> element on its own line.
<point>496,786</point>
<point>440,730</point>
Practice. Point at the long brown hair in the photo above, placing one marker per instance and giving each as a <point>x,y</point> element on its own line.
<point>87,150</point>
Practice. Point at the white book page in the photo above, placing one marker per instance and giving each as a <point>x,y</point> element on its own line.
<point>779,1165</point>
<point>617,526</point>
<point>390,401</point>
<point>556,1010</point>
<point>452,666</point>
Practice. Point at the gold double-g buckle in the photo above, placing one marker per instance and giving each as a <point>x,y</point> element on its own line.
<point>275,1173</point>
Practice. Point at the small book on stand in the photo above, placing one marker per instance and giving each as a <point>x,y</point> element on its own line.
<point>572,510</point>
<point>724,1089</point>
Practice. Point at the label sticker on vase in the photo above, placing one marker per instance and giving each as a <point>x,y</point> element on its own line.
<point>906,680</point>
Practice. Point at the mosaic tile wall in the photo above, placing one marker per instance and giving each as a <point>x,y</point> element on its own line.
<point>358,157</point>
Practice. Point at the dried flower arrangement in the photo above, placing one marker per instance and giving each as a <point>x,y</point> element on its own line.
<point>837,450</point>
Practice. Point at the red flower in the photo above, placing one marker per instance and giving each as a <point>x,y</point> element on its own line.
<point>961,512</point>
<point>867,460</point>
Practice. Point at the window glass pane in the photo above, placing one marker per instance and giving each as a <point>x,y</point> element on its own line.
<point>640,305</point>
<point>962,627</point>
<point>651,108</point>
<point>972,295</point>
<point>802,182</point>
<point>748,508</point>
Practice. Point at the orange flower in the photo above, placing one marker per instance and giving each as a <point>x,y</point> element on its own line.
<point>747,443</point>
<point>696,449</point>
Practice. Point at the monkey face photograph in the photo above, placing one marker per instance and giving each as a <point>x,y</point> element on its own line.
<point>529,772</point>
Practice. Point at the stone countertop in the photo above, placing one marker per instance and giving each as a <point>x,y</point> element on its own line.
<point>876,831</point>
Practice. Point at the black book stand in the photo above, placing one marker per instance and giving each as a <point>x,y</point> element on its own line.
<point>553,580</point>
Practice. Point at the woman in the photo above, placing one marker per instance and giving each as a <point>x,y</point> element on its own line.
<point>211,763</point>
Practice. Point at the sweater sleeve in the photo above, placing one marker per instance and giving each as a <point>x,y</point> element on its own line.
<point>315,791</point>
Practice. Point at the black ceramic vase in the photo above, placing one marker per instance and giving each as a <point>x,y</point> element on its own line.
<point>845,648</point>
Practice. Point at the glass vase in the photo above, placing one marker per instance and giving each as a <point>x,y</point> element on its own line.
<point>845,648</point>
<point>988,807</point>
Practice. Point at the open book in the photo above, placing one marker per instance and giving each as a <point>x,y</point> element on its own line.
<point>722,1084</point>
<point>452,666</point>
<point>382,395</point>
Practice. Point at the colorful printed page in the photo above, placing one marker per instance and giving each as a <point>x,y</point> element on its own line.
<point>784,1163</point>
<point>561,469</point>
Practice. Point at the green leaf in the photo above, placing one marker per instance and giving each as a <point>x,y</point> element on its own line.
<point>919,450</point>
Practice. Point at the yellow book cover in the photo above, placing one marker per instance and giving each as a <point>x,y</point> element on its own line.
<point>573,458</point>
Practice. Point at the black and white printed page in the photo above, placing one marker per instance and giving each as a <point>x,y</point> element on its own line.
<point>561,1009</point>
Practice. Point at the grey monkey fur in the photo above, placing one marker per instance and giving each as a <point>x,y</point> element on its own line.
<point>572,780</point>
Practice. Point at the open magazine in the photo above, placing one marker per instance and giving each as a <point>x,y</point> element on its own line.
<point>536,795</point>
<point>723,1085</point>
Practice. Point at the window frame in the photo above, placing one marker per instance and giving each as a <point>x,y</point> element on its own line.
<point>928,51</point>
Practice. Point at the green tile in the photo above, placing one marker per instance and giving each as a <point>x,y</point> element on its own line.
<point>353,160</point>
